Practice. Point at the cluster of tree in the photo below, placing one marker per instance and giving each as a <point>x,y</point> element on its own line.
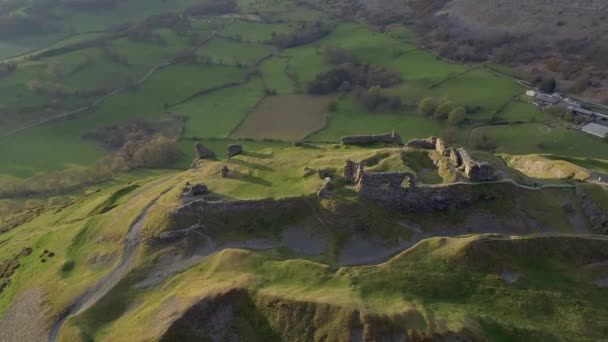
<point>564,114</point>
<point>145,34</point>
<point>177,22</point>
<point>307,33</point>
<point>375,99</point>
<point>154,152</point>
<point>346,77</point>
<point>207,7</point>
<point>7,69</point>
<point>545,84</point>
<point>118,136</point>
<point>444,111</point>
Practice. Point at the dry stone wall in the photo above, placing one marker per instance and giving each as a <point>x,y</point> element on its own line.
<point>199,211</point>
<point>388,138</point>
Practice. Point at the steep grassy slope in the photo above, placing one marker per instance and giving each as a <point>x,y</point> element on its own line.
<point>478,287</point>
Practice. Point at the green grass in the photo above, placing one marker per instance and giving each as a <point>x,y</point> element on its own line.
<point>305,62</point>
<point>479,88</point>
<point>275,76</point>
<point>527,139</point>
<point>350,119</point>
<point>218,113</point>
<point>519,111</point>
<point>255,32</point>
<point>226,51</point>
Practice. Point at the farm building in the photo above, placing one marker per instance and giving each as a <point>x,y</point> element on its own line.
<point>597,130</point>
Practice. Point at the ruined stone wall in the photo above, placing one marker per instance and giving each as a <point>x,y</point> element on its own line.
<point>474,170</point>
<point>429,199</point>
<point>198,211</point>
<point>388,138</point>
<point>459,158</point>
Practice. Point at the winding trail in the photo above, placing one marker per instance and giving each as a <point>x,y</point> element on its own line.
<point>103,286</point>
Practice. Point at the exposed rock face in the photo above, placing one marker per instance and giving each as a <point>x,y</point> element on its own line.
<point>594,213</point>
<point>198,211</point>
<point>224,171</point>
<point>388,138</point>
<point>195,190</point>
<point>428,143</point>
<point>175,235</point>
<point>203,152</point>
<point>234,150</point>
<point>474,170</point>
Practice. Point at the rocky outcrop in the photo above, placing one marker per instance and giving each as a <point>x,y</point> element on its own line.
<point>429,143</point>
<point>326,173</point>
<point>194,190</point>
<point>593,212</point>
<point>203,152</point>
<point>234,150</point>
<point>308,171</point>
<point>224,171</point>
<point>388,138</point>
<point>175,235</point>
<point>326,189</point>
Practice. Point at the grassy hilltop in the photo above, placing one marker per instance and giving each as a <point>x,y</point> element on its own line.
<point>257,263</point>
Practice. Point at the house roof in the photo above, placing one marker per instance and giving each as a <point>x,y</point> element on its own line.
<point>597,130</point>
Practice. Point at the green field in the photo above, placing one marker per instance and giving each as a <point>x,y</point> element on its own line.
<point>192,89</point>
<point>538,138</point>
<point>350,117</point>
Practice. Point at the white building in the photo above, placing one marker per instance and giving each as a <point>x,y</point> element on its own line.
<point>597,130</point>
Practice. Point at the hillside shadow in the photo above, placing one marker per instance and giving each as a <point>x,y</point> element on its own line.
<point>250,179</point>
<point>257,155</point>
<point>250,165</point>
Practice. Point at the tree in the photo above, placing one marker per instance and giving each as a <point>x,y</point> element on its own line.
<point>427,106</point>
<point>457,116</point>
<point>443,110</point>
<point>547,85</point>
